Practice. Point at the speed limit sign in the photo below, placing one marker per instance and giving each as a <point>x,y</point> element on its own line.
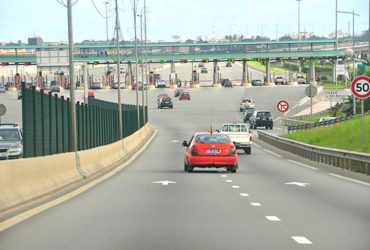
<point>361,87</point>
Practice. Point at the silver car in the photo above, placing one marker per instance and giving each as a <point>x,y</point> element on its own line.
<point>11,142</point>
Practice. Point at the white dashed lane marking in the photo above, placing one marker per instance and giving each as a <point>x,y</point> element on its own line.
<point>229,181</point>
<point>255,204</point>
<point>235,186</point>
<point>224,176</point>
<point>302,164</point>
<point>301,240</point>
<point>350,179</point>
<point>244,194</point>
<point>272,218</point>
<point>273,153</point>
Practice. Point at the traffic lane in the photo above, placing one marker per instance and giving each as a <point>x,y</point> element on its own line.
<point>315,211</point>
<point>120,211</point>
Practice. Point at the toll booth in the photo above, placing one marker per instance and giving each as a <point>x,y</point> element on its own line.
<point>195,78</point>
<point>151,78</point>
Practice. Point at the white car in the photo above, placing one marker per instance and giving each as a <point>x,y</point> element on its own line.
<point>246,103</point>
<point>239,134</point>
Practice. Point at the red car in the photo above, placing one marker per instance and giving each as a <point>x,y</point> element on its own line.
<point>184,96</point>
<point>201,65</point>
<point>210,150</point>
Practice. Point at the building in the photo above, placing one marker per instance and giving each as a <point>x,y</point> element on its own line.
<point>35,41</point>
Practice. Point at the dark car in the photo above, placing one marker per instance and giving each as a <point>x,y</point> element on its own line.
<point>257,82</point>
<point>261,118</point>
<point>204,70</point>
<point>55,89</point>
<point>248,113</point>
<point>19,95</point>
<point>228,64</point>
<point>11,142</point>
<point>157,76</point>
<point>228,84</point>
<point>165,101</point>
<point>178,92</point>
<point>223,81</point>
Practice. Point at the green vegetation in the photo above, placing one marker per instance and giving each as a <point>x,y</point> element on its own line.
<point>333,86</point>
<point>346,136</point>
<point>273,68</point>
<point>317,118</point>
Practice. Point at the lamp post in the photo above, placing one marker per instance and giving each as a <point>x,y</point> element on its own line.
<point>118,76</point>
<point>142,65</point>
<point>299,32</point>
<point>353,48</point>
<point>147,62</point>
<point>136,75</point>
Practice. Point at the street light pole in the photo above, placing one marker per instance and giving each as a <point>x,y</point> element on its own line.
<point>299,33</point>
<point>106,19</point>
<point>73,137</point>
<point>136,75</point>
<point>142,66</point>
<point>336,42</point>
<point>147,62</point>
<point>118,76</point>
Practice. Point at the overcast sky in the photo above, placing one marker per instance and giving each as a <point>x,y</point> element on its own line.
<point>21,19</point>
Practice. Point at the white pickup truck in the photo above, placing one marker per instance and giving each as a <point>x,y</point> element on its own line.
<point>239,134</point>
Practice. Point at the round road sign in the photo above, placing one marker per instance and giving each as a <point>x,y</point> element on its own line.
<point>2,109</point>
<point>361,87</point>
<point>311,91</point>
<point>283,106</point>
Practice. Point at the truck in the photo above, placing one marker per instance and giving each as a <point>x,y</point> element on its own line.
<point>239,134</point>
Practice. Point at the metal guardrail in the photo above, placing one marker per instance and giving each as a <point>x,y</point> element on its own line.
<point>300,125</point>
<point>302,117</point>
<point>354,161</point>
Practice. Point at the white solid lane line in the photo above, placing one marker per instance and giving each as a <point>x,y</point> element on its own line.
<point>255,204</point>
<point>229,181</point>
<point>272,218</point>
<point>235,186</point>
<point>244,194</point>
<point>301,240</point>
<point>302,164</point>
<point>273,153</point>
<point>350,179</point>
<point>258,146</point>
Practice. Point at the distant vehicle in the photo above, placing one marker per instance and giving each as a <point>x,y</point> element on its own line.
<point>112,68</point>
<point>228,64</point>
<point>157,76</point>
<point>279,80</point>
<point>2,89</point>
<point>228,84</point>
<point>257,82</point>
<point>210,150</point>
<point>204,70</point>
<point>165,101</point>
<point>223,81</point>
<point>122,70</point>
<point>246,103</point>
<point>261,118</point>
<point>178,92</point>
<point>19,94</point>
<point>115,85</point>
<point>201,65</point>
<point>96,85</point>
<point>239,134</point>
<point>8,85</point>
<point>301,80</point>
<point>184,96</point>
<point>11,142</point>
<point>161,95</point>
<point>248,113</point>
<point>161,84</point>
<point>55,88</point>
<point>90,95</point>
<point>326,119</point>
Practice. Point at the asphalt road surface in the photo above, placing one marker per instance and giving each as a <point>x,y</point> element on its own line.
<point>274,201</point>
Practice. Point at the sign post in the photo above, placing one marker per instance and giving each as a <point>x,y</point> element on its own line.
<point>311,91</point>
<point>361,89</point>
<point>283,107</point>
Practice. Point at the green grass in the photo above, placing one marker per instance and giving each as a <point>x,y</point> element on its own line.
<point>273,68</point>
<point>346,136</point>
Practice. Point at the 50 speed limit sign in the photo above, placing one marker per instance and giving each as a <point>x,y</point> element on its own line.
<point>361,87</point>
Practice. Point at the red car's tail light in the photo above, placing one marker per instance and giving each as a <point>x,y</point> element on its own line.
<point>232,150</point>
<point>250,138</point>
<point>194,150</point>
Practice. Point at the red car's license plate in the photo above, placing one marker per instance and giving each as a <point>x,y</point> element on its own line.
<point>212,151</point>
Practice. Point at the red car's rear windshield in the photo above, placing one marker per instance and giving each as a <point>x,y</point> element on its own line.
<point>212,139</point>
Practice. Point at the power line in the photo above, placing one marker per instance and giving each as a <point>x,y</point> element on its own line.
<point>97,10</point>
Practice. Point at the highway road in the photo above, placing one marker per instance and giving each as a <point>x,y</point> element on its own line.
<point>274,201</point>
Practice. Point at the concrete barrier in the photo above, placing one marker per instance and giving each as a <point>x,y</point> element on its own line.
<point>25,180</point>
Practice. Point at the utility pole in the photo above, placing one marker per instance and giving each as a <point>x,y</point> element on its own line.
<point>136,75</point>
<point>118,76</point>
<point>299,33</point>
<point>142,66</point>
<point>106,19</point>
<point>73,137</point>
<point>147,62</point>
<point>336,42</point>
